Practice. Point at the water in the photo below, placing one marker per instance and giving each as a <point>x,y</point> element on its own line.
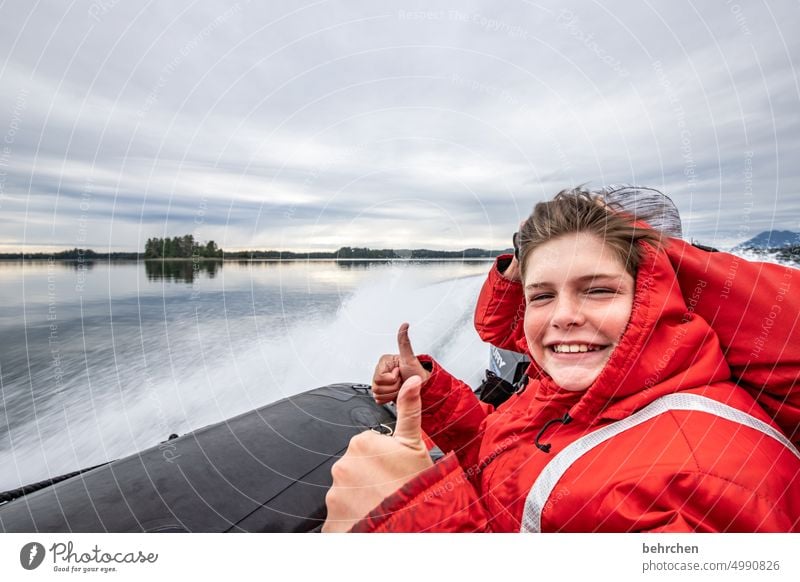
<point>100,360</point>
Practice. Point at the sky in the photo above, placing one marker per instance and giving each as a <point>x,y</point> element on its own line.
<point>312,125</point>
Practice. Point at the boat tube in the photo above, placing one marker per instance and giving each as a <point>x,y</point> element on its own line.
<point>267,470</point>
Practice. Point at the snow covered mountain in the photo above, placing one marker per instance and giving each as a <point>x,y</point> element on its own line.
<point>770,239</point>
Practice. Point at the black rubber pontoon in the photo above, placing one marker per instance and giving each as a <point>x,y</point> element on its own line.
<point>267,470</point>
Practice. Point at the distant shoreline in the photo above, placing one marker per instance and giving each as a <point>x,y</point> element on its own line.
<point>239,260</point>
<point>196,253</point>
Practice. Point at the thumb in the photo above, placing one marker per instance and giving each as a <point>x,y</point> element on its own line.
<point>409,413</point>
<point>407,357</point>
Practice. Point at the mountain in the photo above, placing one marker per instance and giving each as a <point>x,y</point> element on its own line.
<point>771,239</point>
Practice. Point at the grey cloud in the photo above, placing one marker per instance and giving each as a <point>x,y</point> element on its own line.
<point>301,126</point>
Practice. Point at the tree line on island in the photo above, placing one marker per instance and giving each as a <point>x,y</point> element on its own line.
<point>180,247</point>
<point>185,247</point>
<point>204,252</point>
<point>784,245</point>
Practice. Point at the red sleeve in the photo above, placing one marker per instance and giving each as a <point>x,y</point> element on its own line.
<point>754,309</point>
<point>452,415</point>
<point>691,501</point>
<point>440,499</point>
<point>500,310</point>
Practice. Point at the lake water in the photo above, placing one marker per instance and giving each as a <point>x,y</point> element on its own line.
<point>100,360</point>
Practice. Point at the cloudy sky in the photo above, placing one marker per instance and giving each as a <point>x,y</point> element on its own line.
<point>312,125</point>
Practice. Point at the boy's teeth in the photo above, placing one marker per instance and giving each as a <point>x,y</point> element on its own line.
<point>574,348</point>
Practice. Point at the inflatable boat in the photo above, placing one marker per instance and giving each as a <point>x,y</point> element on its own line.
<point>267,470</point>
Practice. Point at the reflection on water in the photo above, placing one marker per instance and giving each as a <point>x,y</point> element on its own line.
<point>359,265</point>
<point>39,264</point>
<point>356,264</point>
<point>180,271</point>
<point>172,270</point>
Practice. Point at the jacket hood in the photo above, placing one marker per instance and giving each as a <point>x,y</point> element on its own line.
<point>665,348</point>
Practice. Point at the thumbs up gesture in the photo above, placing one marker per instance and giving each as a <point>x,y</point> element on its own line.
<point>375,465</point>
<point>394,369</point>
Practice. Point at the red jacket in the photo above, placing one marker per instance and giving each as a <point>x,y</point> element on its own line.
<point>754,308</point>
<point>676,470</point>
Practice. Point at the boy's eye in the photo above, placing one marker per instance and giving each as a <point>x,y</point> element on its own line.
<point>599,291</point>
<point>539,297</point>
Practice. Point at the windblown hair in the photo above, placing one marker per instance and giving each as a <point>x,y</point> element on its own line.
<point>579,211</point>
